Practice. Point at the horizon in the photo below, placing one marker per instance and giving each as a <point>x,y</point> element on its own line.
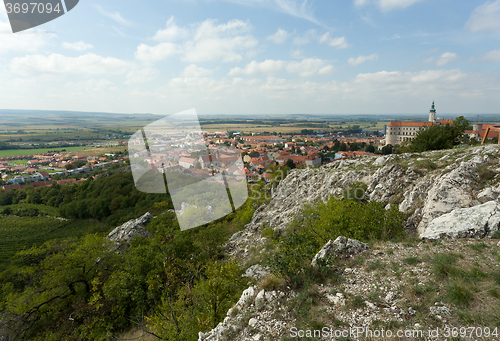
<point>258,57</point>
<point>268,116</point>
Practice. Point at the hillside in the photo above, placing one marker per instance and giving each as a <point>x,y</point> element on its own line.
<point>444,273</point>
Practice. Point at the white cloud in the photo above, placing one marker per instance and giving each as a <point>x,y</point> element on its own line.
<point>206,41</point>
<point>139,75</point>
<point>361,59</point>
<point>492,56</point>
<point>196,71</point>
<point>58,64</point>
<point>446,58</point>
<point>172,32</point>
<point>387,5</point>
<point>22,42</point>
<point>116,16</point>
<point>297,8</point>
<point>338,42</point>
<point>360,3</point>
<point>306,38</point>
<point>78,46</point>
<point>279,37</point>
<point>225,42</point>
<point>367,92</point>
<point>155,53</point>
<point>297,53</point>
<point>92,86</point>
<point>310,67</point>
<point>307,67</point>
<point>267,67</point>
<point>485,17</point>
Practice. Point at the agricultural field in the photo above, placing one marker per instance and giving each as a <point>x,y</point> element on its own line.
<point>100,151</point>
<point>20,233</point>
<point>252,128</point>
<point>21,152</point>
<point>19,162</point>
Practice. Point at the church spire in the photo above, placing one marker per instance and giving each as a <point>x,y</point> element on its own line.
<point>432,113</point>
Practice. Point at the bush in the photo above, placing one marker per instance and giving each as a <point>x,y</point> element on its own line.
<point>485,174</point>
<point>443,265</point>
<point>458,293</point>
<point>357,220</point>
<point>326,221</point>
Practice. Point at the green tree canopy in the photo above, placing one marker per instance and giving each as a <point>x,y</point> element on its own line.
<point>435,137</point>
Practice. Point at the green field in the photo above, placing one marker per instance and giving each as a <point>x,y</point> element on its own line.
<point>42,209</point>
<point>21,152</point>
<point>19,233</point>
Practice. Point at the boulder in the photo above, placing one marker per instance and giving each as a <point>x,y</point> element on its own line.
<point>135,227</point>
<point>342,246</point>
<point>257,272</point>
<point>451,191</point>
<point>473,222</point>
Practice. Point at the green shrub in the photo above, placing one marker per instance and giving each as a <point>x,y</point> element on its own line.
<point>458,293</point>
<point>362,221</point>
<point>479,247</point>
<point>374,265</point>
<point>485,174</point>
<point>443,264</point>
<point>496,277</point>
<point>412,260</point>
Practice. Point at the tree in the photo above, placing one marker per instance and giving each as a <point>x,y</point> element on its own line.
<point>435,137</point>
<point>290,164</point>
<point>387,149</point>
<point>61,274</point>
<point>370,149</point>
<point>79,163</point>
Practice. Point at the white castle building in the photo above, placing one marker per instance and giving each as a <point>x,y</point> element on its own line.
<point>400,131</point>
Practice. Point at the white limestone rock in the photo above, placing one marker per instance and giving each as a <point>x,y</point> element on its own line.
<point>474,222</point>
<point>342,246</point>
<point>135,227</point>
<point>451,191</point>
<point>257,272</point>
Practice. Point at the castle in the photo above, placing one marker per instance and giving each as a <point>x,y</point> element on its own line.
<point>399,131</point>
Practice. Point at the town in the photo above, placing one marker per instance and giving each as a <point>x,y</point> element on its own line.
<point>204,153</point>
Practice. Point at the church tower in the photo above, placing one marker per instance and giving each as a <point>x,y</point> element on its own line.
<point>432,114</point>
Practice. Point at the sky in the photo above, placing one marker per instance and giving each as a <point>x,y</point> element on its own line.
<point>257,57</point>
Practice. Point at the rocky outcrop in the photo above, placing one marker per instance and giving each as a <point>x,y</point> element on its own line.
<point>451,190</point>
<point>252,300</point>
<point>444,194</point>
<point>123,234</point>
<point>342,247</point>
<point>423,192</point>
<point>257,272</point>
<point>474,222</point>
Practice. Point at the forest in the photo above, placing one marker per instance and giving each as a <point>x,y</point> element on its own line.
<point>74,286</point>
<point>77,285</point>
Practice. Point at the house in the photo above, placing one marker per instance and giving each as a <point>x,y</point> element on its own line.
<point>313,160</point>
<point>45,175</point>
<point>186,162</point>
<point>266,177</point>
<point>31,170</point>
<point>206,161</point>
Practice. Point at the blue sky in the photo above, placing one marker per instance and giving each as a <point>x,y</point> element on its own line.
<point>258,57</point>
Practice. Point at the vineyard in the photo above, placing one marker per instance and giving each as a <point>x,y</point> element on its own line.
<point>18,233</point>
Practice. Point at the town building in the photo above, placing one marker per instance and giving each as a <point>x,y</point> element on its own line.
<point>401,131</point>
